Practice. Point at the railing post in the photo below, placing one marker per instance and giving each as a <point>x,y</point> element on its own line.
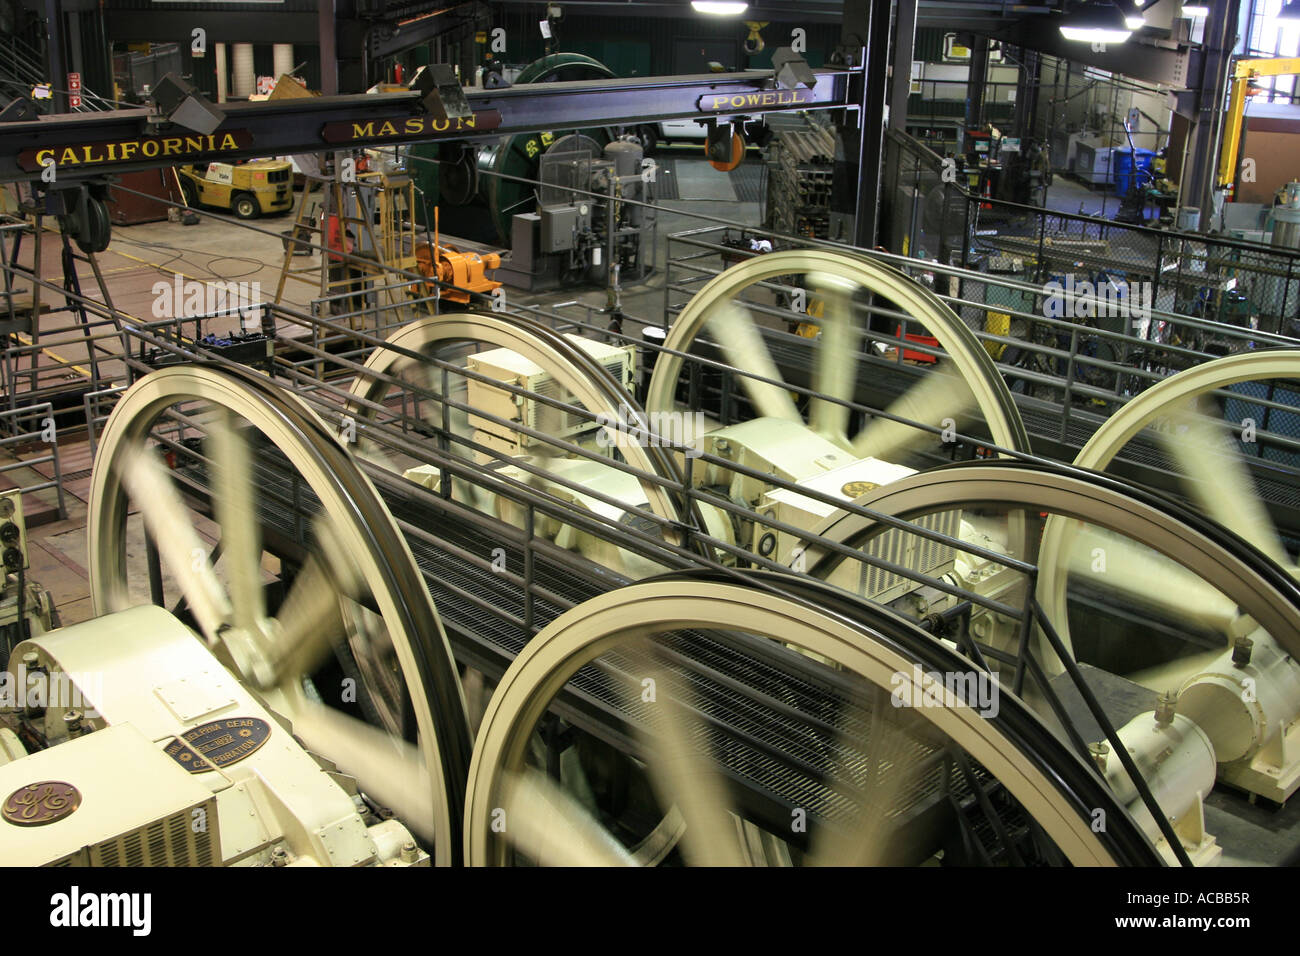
<point>1286,291</point>
<point>1155,280</point>
<point>529,524</point>
<point>1042,244</point>
<point>1068,396</point>
<point>943,222</point>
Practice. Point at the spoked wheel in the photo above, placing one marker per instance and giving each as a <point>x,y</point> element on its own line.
<point>409,357</point>
<point>1193,432</point>
<point>858,769</point>
<point>1142,566</point>
<point>356,605</point>
<point>967,381</point>
<point>1182,552</point>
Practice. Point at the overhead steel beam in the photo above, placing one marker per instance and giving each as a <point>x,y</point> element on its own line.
<point>90,144</point>
<point>389,39</point>
<point>223,26</point>
<point>782,11</point>
<point>1140,60</point>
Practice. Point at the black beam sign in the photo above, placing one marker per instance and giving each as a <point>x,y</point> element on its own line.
<point>377,132</point>
<point>78,145</point>
<point>169,149</point>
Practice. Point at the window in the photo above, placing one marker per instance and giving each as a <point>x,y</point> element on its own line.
<point>1267,37</point>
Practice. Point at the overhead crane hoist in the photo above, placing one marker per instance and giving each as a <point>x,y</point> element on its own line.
<point>87,145</point>
<point>1242,73</point>
<point>63,153</point>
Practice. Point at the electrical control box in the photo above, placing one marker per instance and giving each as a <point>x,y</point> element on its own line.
<point>562,224</point>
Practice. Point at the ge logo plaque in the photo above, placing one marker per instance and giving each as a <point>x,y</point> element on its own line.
<point>38,804</point>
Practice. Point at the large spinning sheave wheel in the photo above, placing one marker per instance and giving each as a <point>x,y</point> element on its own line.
<point>872,760</point>
<point>357,601</point>
<point>1179,552</point>
<point>966,381</point>
<point>1212,473</point>
<point>407,356</point>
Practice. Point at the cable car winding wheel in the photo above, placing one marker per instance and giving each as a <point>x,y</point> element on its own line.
<point>409,356</point>
<point>968,380</point>
<point>863,767</point>
<point>357,597</point>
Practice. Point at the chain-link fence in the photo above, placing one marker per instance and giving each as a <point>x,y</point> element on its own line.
<point>931,216</point>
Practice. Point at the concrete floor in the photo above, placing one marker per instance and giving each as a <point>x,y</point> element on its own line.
<point>1067,194</point>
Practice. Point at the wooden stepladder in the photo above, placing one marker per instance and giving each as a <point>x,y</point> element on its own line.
<point>372,211</point>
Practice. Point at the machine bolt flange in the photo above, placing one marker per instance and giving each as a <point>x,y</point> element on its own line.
<point>1166,705</point>
<point>1241,651</point>
<point>1100,752</point>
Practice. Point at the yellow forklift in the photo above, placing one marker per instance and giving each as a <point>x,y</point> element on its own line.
<point>249,190</point>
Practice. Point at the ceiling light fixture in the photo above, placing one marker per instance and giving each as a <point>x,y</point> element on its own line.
<point>719,8</point>
<point>1193,10</point>
<point>1132,10</point>
<point>1095,22</point>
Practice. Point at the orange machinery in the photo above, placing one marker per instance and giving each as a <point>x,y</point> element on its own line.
<point>465,271</point>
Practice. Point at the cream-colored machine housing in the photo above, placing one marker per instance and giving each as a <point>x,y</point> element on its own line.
<point>508,366</point>
<point>897,547</point>
<point>112,696</point>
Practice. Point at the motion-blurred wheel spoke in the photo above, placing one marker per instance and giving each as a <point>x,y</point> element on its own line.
<point>837,351</point>
<point>743,345</point>
<point>172,528</point>
<point>309,622</point>
<point>684,778</point>
<point>551,828</point>
<point>1221,484</point>
<point>938,399</point>
<point>236,512</point>
<point>389,770</point>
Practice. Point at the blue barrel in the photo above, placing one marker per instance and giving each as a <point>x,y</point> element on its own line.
<point>1122,165</point>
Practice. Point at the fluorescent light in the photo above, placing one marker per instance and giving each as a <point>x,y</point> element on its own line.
<point>719,8</point>
<point>1132,10</point>
<point>1095,22</point>
<point>1096,36</point>
<point>1192,10</point>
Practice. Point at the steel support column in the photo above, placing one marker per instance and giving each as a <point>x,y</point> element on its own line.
<point>329,60</point>
<point>54,52</point>
<point>1027,86</point>
<point>1199,170</point>
<point>904,48</point>
<point>975,80</point>
<point>856,187</point>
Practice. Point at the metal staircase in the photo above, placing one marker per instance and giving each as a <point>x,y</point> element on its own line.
<point>22,67</point>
